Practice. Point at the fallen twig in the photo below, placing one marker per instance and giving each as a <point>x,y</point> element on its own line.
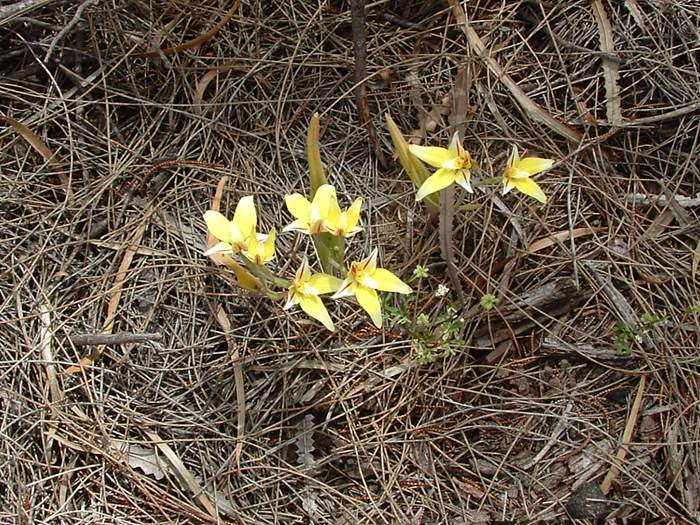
<point>12,11</point>
<point>359,76</point>
<point>116,291</point>
<point>69,27</point>
<point>640,199</point>
<point>112,339</point>
<point>197,41</point>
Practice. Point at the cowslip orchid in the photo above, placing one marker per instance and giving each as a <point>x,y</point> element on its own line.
<point>364,279</point>
<point>453,163</point>
<point>518,174</point>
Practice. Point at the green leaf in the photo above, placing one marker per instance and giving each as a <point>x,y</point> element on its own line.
<point>313,155</point>
<point>415,169</point>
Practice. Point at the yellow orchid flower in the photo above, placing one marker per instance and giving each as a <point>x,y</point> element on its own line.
<point>261,248</point>
<point>518,172</point>
<point>233,235</point>
<point>239,235</point>
<point>305,291</point>
<point>363,281</point>
<point>346,223</point>
<point>312,217</point>
<point>453,166</point>
<point>323,213</point>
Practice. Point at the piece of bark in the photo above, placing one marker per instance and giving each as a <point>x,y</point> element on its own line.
<point>553,299</point>
<point>359,47</point>
<point>555,346</point>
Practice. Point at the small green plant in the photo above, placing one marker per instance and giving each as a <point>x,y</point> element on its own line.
<point>651,324</point>
<point>420,272</point>
<point>623,337</point>
<point>424,352</point>
<point>437,336</point>
<point>488,302</point>
<point>695,308</point>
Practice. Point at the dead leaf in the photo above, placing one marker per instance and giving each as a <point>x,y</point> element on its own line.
<point>184,476</point>
<point>559,237</point>
<point>614,471</point>
<point>139,457</point>
<point>201,39</point>
<point>35,142</point>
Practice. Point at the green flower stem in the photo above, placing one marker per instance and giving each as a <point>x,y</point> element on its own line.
<point>264,275</point>
<point>277,281</point>
<point>331,253</point>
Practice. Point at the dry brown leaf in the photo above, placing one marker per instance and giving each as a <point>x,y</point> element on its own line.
<point>35,142</point>
<point>614,471</point>
<point>558,237</point>
<point>197,41</point>
<point>204,82</point>
<point>201,88</point>
<point>139,457</point>
<point>47,353</point>
<point>184,475</point>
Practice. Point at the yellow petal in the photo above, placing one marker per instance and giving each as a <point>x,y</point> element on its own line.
<point>431,154</point>
<point>313,306</point>
<point>325,205</point>
<point>369,301</point>
<point>292,299</point>
<point>245,217</point>
<point>507,185</point>
<point>455,145</point>
<point>298,206</point>
<point>221,247</point>
<point>439,180</point>
<point>514,157</point>
<point>353,217</point>
<point>529,187</point>
<point>463,180</point>
<point>324,283</point>
<point>298,225</point>
<point>347,288</point>
<point>303,272</point>
<point>252,252</point>
<point>388,282</point>
<point>218,225</point>
<point>269,246</point>
<point>534,165</point>
<point>369,264</point>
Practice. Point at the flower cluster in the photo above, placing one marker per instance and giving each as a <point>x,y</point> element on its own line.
<point>329,226</point>
<point>454,166</point>
<point>320,216</point>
